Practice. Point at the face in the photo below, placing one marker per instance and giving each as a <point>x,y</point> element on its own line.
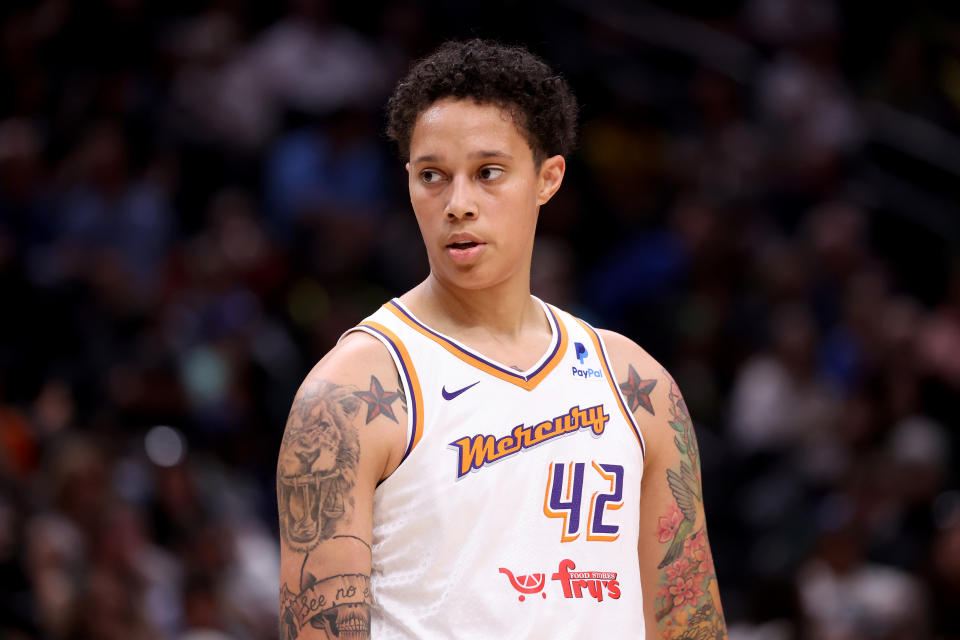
<point>476,193</point>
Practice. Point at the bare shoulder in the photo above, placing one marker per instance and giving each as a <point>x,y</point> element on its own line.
<point>622,349</point>
<point>647,387</point>
<point>633,367</point>
<point>355,357</point>
<point>357,377</point>
<point>352,401</point>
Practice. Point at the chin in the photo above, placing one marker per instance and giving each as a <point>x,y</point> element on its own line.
<point>470,278</point>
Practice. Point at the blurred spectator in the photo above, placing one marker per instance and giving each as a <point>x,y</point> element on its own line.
<point>778,400</point>
<point>111,228</point>
<point>847,598</point>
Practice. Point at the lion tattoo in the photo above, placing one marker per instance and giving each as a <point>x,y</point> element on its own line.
<point>317,465</point>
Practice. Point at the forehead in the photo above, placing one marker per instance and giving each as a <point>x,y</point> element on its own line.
<point>451,126</point>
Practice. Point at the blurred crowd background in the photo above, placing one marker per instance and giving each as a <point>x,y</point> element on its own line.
<point>196,199</point>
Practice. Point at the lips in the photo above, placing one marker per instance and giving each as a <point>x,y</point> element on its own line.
<point>463,241</point>
<point>464,246</point>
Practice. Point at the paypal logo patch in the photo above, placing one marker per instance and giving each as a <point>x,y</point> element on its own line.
<point>581,351</point>
<point>582,354</point>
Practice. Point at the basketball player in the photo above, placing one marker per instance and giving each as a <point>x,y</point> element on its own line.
<point>470,461</point>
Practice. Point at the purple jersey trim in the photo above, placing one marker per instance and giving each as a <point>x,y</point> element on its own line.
<point>411,399</point>
<point>471,354</point>
<point>616,389</point>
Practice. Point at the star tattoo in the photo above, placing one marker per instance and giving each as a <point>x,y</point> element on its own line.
<point>378,401</point>
<point>637,390</point>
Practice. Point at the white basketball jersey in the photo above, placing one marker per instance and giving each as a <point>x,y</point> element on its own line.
<point>515,510</point>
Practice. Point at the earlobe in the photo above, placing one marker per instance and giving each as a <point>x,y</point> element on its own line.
<point>551,175</point>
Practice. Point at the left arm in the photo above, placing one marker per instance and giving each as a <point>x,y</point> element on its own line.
<point>680,594</point>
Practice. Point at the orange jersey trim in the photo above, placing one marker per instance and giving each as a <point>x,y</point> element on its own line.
<point>416,403</point>
<point>478,362</point>
<point>627,414</point>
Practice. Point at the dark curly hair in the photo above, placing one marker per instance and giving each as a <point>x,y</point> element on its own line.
<point>541,103</point>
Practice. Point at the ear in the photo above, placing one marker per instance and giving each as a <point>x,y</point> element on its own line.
<point>551,175</point>
<point>407,167</point>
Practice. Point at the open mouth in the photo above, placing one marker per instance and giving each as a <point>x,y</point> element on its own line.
<point>462,245</point>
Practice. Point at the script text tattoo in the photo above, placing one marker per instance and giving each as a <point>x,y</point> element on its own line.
<point>337,606</point>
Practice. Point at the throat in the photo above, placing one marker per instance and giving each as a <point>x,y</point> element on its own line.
<point>511,328</point>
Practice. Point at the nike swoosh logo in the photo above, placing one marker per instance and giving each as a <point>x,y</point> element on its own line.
<point>450,395</point>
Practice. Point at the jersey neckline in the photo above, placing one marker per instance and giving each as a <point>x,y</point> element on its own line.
<point>528,379</point>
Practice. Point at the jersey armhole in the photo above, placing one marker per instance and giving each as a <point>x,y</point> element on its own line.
<point>601,348</point>
<point>408,378</point>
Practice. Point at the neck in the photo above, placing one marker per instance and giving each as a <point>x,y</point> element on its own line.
<point>506,310</point>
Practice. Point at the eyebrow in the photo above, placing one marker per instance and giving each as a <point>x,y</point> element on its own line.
<point>475,154</point>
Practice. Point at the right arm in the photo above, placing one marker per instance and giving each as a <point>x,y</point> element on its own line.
<point>346,431</point>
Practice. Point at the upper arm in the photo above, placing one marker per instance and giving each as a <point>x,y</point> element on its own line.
<point>680,592</point>
<point>345,433</point>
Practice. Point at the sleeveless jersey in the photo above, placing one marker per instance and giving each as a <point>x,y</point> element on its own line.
<point>515,510</point>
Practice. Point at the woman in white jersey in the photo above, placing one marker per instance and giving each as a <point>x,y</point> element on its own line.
<point>468,461</point>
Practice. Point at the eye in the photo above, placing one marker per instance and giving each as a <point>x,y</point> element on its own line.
<point>429,176</point>
<point>490,173</point>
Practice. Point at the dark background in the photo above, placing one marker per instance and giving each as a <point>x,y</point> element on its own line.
<point>196,199</point>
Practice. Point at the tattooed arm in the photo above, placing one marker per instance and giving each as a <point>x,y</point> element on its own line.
<point>345,432</point>
<point>680,594</point>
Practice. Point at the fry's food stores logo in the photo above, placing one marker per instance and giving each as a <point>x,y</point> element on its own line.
<point>573,584</point>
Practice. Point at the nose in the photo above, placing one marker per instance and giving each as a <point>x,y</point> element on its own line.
<point>461,204</point>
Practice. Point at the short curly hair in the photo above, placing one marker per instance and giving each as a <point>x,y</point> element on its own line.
<point>540,101</point>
